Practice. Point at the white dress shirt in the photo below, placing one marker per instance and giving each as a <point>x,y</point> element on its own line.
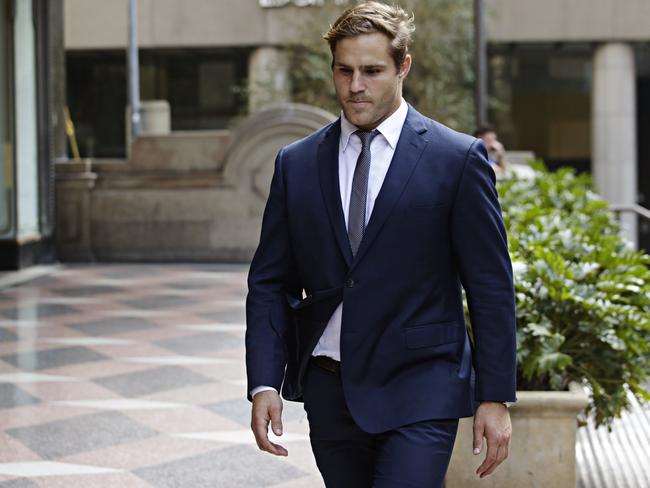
<point>382,150</point>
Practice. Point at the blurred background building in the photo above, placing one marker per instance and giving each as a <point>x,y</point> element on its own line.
<point>568,80</point>
<point>573,81</point>
<point>32,97</point>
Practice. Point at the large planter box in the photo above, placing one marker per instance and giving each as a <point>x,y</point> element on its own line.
<point>542,453</point>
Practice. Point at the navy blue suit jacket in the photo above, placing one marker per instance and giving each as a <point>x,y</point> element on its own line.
<point>406,355</point>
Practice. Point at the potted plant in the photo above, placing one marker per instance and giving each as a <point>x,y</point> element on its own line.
<point>583,327</point>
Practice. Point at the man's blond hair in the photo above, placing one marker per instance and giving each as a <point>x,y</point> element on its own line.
<point>371,17</point>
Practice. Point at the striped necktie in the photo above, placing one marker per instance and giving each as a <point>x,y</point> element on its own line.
<point>359,196</point>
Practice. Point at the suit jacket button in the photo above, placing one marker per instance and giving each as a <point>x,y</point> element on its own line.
<point>350,283</point>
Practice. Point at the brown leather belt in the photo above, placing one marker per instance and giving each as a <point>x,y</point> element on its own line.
<point>327,363</point>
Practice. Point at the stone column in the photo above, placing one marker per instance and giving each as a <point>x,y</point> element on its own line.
<point>74,185</point>
<point>614,137</point>
<point>268,78</point>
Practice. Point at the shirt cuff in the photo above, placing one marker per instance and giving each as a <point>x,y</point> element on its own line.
<point>259,389</point>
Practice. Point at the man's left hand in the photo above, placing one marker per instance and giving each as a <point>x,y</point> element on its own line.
<point>492,421</point>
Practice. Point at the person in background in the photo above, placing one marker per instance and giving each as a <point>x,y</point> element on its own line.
<point>496,151</point>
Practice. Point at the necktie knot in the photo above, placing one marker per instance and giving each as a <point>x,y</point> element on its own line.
<point>366,137</point>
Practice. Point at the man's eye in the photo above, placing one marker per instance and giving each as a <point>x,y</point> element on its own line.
<point>372,71</point>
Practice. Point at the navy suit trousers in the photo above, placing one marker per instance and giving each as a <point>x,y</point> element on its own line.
<point>413,456</point>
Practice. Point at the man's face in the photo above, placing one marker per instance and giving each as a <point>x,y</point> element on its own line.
<point>367,82</point>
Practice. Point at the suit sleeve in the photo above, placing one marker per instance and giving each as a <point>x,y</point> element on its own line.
<point>272,274</point>
<point>481,252</point>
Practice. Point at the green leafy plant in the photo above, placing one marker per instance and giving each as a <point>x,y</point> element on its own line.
<point>583,294</point>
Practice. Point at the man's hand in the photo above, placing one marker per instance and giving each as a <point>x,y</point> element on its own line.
<point>492,421</point>
<point>267,406</point>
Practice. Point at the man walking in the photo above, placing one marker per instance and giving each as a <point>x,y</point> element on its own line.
<point>355,307</point>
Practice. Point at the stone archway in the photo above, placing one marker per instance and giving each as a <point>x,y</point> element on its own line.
<point>248,169</point>
<point>256,142</point>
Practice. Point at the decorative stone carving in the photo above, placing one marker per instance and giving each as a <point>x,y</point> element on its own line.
<point>182,196</point>
<point>256,142</point>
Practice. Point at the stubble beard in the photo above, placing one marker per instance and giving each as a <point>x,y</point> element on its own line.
<point>372,114</point>
<point>360,118</point>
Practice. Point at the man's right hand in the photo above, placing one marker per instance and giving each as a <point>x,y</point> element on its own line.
<point>267,407</point>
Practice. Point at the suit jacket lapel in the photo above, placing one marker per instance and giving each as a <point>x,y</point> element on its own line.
<point>409,149</point>
<point>328,170</point>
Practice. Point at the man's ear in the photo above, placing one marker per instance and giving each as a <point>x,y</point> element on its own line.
<point>406,67</point>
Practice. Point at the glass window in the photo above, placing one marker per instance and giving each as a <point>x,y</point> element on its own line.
<point>202,86</point>
<point>541,100</point>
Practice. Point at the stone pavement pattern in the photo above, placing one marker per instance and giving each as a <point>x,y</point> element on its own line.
<point>133,376</point>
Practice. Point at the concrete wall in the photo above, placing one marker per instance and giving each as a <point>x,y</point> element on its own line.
<point>567,20</point>
<point>189,196</point>
<point>101,24</point>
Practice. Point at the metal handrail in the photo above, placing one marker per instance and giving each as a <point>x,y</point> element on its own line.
<point>631,207</point>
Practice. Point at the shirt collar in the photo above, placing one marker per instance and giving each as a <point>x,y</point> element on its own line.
<point>391,128</point>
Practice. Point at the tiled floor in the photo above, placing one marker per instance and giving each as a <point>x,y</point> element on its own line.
<point>133,376</point>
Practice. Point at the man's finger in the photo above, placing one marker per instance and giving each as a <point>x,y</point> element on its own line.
<point>479,428</point>
<point>490,458</point>
<point>276,420</point>
<point>263,442</point>
<point>259,427</point>
<point>266,445</point>
<point>501,455</point>
<point>279,450</point>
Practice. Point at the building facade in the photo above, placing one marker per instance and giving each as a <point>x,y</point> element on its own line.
<point>31,127</point>
<point>569,79</point>
<point>572,81</point>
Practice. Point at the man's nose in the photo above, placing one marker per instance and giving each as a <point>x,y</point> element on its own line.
<point>357,85</point>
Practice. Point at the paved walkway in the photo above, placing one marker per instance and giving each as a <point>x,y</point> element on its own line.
<point>133,376</point>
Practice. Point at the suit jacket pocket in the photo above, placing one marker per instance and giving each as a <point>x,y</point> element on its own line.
<point>433,334</point>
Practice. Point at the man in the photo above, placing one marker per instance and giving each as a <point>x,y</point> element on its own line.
<point>496,151</point>
<point>355,305</point>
